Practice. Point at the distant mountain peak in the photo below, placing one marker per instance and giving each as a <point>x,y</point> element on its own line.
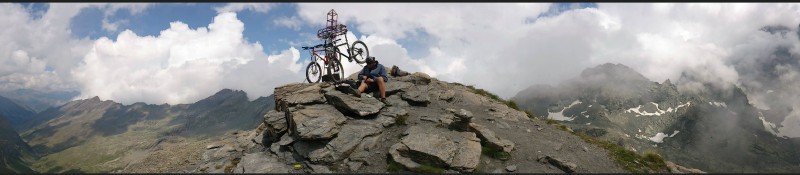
<point>613,71</point>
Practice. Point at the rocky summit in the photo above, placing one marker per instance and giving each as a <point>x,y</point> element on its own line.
<point>431,126</point>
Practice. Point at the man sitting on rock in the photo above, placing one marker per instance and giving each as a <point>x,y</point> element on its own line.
<point>373,77</point>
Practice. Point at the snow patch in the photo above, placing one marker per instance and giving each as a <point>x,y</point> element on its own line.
<point>770,127</point>
<point>560,114</point>
<point>588,123</point>
<point>718,104</point>
<point>657,113</point>
<point>659,137</point>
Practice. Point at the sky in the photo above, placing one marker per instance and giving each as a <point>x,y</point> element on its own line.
<point>183,52</point>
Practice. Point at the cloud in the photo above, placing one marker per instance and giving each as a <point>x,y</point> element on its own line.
<point>290,22</point>
<point>183,65</point>
<point>236,7</point>
<point>505,48</point>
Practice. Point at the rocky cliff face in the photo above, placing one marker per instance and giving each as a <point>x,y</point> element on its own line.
<point>712,129</point>
<point>431,126</point>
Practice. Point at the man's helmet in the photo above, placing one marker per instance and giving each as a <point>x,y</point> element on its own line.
<point>371,60</point>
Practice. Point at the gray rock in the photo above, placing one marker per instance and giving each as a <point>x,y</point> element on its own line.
<point>386,121</point>
<point>213,146</point>
<point>275,126</point>
<point>388,116</point>
<point>317,122</point>
<point>354,166</point>
<point>417,78</point>
<point>260,163</point>
<point>396,101</point>
<point>305,98</point>
<point>393,87</point>
<point>447,95</point>
<point>462,119</point>
<point>511,168</point>
<point>416,96</point>
<point>457,150</point>
<point>364,150</point>
<point>675,168</point>
<point>319,169</point>
<point>498,110</point>
<point>567,167</point>
<point>281,92</point>
<point>360,106</point>
<point>286,140</point>
<point>348,139</point>
<point>218,153</point>
<point>491,139</point>
<point>393,111</point>
<point>498,171</point>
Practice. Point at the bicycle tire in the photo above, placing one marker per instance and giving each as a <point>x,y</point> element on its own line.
<point>310,68</point>
<point>362,54</point>
<point>338,65</point>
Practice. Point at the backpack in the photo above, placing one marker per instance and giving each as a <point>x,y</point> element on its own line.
<point>396,72</point>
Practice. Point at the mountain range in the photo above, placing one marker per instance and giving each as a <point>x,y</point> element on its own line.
<point>713,129</point>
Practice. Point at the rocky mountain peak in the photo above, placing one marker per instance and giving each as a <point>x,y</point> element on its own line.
<point>427,126</point>
<point>614,72</point>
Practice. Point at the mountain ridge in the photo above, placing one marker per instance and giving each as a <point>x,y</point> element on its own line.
<point>713,123</point>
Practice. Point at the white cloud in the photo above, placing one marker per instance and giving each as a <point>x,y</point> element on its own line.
<point>290,22</point>
<point>492,46</point>
<point>236,7</point>
<point>183,65</point>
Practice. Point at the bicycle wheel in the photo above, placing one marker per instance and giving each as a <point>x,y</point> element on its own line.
<point>359,52</point>
<point>337,68</point>
<point>313,72</point>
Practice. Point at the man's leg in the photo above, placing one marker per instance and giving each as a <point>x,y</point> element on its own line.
<point>362,87</point>
<point>381,87</point>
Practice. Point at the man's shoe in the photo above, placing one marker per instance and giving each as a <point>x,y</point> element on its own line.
<point>385,102</point>
<point>349,90</point>
<point>353,91</point>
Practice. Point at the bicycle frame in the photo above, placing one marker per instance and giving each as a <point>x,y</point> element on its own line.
<point>347,45</point>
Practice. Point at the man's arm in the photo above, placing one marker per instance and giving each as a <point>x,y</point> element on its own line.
<point>382,72</point>
<point>361,75</point>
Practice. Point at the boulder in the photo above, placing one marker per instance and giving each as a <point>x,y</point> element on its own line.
<point>567,167</point>
<point>260,163</point>
<point>316,122</point>
<point>393,87</point>
<point>487,136</point>
<point>388,116</point>
<point>447,95</point>
<point>275,123</point>
<point>417,96</point>
<point>347,140</point>
<point>366,149</point>
<point>502,111</point>
<point>675,168</point>
<point>417,78</point>
<point>363,106</point>
<point>218,153</point>
<point>511,168</point>
<point>281,92</point>
<point>451,149</point>
<point>305,98</point>
<point>461,120</point>
<point>396,101</point>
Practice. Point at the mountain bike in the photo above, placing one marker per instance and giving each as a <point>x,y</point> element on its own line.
<point>333,66</point>
<point>358,51</point>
